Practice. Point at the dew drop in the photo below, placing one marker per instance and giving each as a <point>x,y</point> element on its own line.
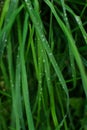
<point>43,39</point>
<point>41,89</point>
<point>42,50</point>
<point>30,8</point>
<point>50,54</point>
<point>5,40</point>
<point>40,82</point>
<point>40,74</point>
<point>28,4</point>
<point>73,75</point>
<point>78,20</point>
<point>60,80</point>
<point>42,36</point>
<point>48,45</point>
<point>17,56</point>
<point>48,79</point>
<point>12,85</point>
<point>43,60</point>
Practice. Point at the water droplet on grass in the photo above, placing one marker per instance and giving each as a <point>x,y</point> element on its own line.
<point>28,4</point>
<point>43,60</point>
<point>50,54</point>
<point>78,20</point>
<point>48,45</point>
<point>30,8</point>
<point>60,80</point>
<point>42,50</point>
<point>5,40</point>
<point>41,89</point>
<point>48,79</point>
<point>40,82</point>
<point>43,38</point>
<point>17,56</point>
<point>12,85</point>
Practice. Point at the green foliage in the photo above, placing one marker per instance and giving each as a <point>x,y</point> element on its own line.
<point>43,50</point>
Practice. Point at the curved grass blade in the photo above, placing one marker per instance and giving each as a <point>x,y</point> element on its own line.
<point>72,62</point>
<point>73,46</point>
<point>7,28</point>
<point>4,11</point>
<point>50,87</point>
<point>79,22</point>
<point>39,29</point>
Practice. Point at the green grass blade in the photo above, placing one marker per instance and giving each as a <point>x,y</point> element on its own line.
<point>72,62</point>
<point>6,29</point>
<point>38,25</point>
<point>50,88</point>
<point>24,81</point>
<point>73,46</point>
<point>4,11</point>
<point>4,72</point>
<point>18,96</point>
<point>79,22</point>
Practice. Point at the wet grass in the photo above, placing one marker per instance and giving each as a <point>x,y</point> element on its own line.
<point>43,64</point>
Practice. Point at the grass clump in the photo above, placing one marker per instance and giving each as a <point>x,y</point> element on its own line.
<point>43,81</point>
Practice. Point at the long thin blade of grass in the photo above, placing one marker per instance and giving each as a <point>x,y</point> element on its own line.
<point>38,25</point>
<point>73,46</point>
<point>6,29</point>
<point>24,81</point>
